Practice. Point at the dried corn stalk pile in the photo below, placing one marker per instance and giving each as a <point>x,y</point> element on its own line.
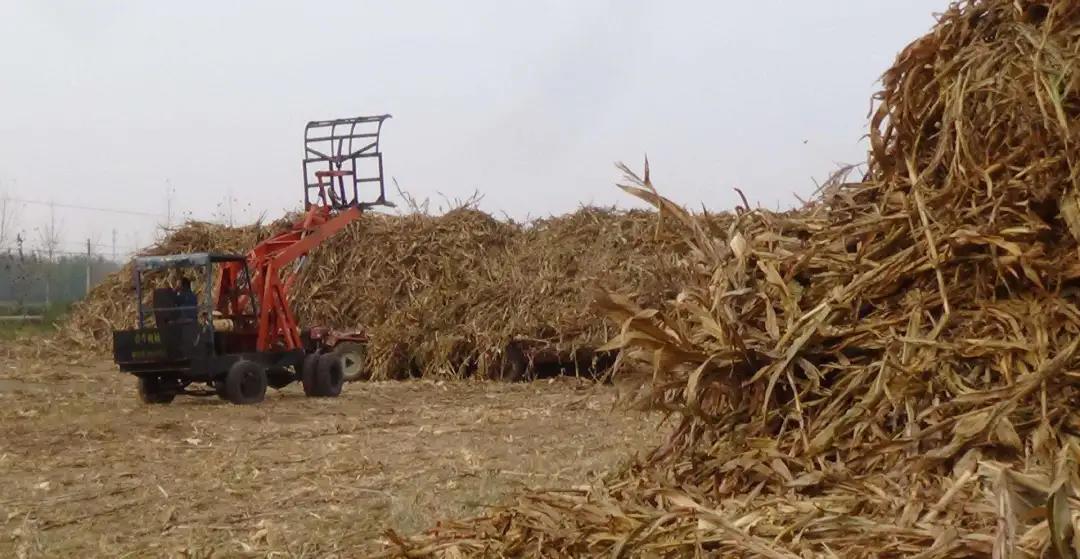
<point>443,294</point>
<point>446,295</point>
<point>894,371</point>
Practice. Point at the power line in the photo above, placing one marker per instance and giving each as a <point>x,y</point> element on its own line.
<point>97,245</point>
<point>42,250</point>
<point>86,208</point>
<point>41,253</point>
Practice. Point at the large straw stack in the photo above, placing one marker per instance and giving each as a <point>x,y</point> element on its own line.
<point>892,372</point>
<point>444,295</point>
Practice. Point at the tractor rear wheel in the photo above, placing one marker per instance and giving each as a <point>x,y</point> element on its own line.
<point>308,372</point>
<point>245,383</point>
<point>353,357</point>
<point>154,390</point>
<point>331,375</point>
<point>325,378</point>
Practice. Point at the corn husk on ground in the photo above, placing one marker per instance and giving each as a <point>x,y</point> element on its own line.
<point>892,371</point>
<point>442,295</point>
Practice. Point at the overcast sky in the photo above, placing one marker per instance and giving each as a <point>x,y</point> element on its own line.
<point>102,103</point>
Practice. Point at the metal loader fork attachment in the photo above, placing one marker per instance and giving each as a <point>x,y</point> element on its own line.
<point>339,157</point>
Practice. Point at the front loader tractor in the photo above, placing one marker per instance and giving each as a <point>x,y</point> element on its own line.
<point>225,321</point>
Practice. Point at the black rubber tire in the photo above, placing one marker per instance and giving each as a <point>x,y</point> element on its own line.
<point>354,361</point>
<point>245,383</point>
<point>309,371</point>
<point>329,376</point>
<point>152,390</point>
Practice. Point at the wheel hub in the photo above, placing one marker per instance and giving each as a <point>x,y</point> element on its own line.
<point>351,363</point>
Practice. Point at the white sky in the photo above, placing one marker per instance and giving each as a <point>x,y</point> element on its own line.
<point>530,103</point>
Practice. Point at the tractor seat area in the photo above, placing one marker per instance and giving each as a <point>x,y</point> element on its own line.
<point>167,309</point>
<point>164,303</point>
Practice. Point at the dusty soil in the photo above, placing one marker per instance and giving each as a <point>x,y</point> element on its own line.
<point>87,470</point>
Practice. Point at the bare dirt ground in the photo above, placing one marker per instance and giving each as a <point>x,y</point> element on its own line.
<point>87,470</point>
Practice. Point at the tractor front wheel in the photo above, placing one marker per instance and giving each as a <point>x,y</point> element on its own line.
<point>245,383</point>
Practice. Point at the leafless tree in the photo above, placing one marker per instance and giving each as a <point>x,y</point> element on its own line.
<point>49,234</point>
<point>49,240</point>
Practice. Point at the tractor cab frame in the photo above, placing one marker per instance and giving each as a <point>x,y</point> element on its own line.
<point>169,335</point>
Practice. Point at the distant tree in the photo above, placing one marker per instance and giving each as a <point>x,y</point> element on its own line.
<point>49,240</point>
<point>49,234</point>
<point>20,281</point>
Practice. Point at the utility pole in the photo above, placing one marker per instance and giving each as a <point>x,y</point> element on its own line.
<point>168,203</point>
<point>87,266</point>
<point>20,294</point>
<point>229,201</point>
<point>114,245</point>
<point>50,237</point>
